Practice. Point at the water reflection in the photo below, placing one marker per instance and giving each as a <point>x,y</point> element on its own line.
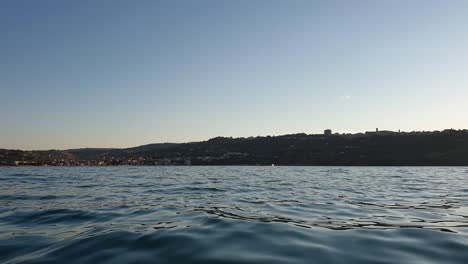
<point>52,214</point>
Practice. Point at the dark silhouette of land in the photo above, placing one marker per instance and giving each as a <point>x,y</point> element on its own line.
<point>383,148</point>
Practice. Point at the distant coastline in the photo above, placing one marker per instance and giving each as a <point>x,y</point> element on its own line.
<point>378,148</point>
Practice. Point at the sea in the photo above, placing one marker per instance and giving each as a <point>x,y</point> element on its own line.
<point>233,214</point>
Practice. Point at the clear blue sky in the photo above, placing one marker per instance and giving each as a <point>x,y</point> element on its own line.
<point>125,73</point>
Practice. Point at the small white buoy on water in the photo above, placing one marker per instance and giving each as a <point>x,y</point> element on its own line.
<point>272,165</point>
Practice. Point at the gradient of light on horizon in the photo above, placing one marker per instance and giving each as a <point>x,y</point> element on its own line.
<point>126,73</point>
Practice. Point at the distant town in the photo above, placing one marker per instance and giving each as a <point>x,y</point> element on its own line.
<point>378,147</point>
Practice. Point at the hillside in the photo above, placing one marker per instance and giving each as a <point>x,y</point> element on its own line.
<point>449,147</point>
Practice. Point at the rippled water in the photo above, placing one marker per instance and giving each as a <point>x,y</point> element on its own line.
<point>233,215</point>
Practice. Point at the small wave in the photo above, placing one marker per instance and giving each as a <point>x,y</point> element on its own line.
<point>341,223</point>
<point>198,189</point>
<point>30,197</point>
<point>20,174</point>
<point>86,186</point>
<point>56,216</point>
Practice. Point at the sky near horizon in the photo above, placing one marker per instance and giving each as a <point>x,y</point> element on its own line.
<point>126,73</point>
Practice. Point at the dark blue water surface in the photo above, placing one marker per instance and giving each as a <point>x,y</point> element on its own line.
<point>233,215</point>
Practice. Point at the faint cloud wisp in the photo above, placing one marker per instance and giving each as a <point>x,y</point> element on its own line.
<point>345,97</point>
